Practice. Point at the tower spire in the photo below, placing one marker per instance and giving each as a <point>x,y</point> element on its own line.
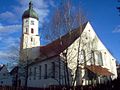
<point>30,4</point>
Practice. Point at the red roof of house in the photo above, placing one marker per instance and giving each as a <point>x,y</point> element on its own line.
<point>60,44</point>
<point>99,70</point>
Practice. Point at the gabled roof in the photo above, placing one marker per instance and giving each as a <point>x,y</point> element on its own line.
<point>14,70</point>
<point>60,44</point>
<point>2,67</point>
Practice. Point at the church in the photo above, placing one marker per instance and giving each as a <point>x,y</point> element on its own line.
<point>77,58</point>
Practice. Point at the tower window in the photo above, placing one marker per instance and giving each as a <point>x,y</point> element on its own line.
<point>32,30</point>
<point>26,30</point>
<point>26,21</point>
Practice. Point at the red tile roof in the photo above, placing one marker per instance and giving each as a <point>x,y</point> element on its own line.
<point>59,45</point>
<point>99,70</point>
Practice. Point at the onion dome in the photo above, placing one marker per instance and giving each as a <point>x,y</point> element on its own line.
<point>30,12</point>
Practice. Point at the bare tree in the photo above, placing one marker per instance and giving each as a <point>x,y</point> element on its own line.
<point>64,20</point>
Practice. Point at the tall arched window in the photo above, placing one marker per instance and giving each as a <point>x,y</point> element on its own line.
<point>26,30</point>
<point>83,56</point>
<point>92,58</point>
<point>100,59</point>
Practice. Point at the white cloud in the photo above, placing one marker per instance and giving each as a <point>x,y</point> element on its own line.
<point>10,28</point>
<point>7,55</point>
<point>117,29</point>
<point>7,41</point>
<point>8,16</point>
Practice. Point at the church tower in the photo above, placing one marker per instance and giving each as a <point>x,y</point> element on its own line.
<point>30,36</point>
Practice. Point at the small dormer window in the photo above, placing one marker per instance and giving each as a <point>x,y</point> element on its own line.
<point>32,22</point>
<point>32,30</point>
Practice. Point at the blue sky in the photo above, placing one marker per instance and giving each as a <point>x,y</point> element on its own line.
<point>102,14</point>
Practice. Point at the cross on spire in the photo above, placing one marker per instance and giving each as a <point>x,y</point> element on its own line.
<point>30,4</point>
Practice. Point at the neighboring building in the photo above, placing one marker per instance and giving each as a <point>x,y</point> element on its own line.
<point>89,61</point>
<point>118,71</point>
<point>14,75</point>
<point>5,78</point>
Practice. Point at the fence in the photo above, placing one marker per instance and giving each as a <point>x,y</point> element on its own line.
<point>115,85</point>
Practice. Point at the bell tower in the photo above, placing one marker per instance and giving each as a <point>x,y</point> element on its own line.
<point>30,36</point>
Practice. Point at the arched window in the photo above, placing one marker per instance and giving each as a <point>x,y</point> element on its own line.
<point>100,59</point>
<point>26,30</point>
<point>82,58</point>
<point>92,58</point>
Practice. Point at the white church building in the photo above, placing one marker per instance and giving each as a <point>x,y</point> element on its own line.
<point>77,58</point>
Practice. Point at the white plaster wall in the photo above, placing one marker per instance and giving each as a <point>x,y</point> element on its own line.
<point>27,52</point>
<point>43,82</point>
<point>29,26</point>
<point>91,43</point>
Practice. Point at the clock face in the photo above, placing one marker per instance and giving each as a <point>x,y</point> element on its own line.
<point>26,22</point>
<point>32,22</point>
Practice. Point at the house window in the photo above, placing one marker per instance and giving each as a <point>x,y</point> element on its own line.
<point>53,70</point>
<point>1,82</point>
<point>45,76</point>
<point>4,74</point>
<point>39,72</point>
<point>35,73</point>
<point>32,30</point>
